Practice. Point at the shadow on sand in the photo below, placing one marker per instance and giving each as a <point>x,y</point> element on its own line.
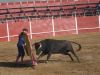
<point>14,65</point>
<point>44,61</point>
<point>26,63</point>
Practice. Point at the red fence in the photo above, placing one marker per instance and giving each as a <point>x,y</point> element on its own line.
<point>44,28</point>
<point>88,24</point>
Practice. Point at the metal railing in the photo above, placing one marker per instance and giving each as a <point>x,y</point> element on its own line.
<point>26,12</point>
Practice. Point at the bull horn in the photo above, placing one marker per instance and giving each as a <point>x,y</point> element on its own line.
<point>40,45</point>
<point>40,53</point>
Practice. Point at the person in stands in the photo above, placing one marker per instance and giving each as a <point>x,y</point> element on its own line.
<point>98,8</point>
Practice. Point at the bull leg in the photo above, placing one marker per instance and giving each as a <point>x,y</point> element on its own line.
<point>70,56</point>
<point>41,55</point>
<point>48,57</point>
<point>75,55</point>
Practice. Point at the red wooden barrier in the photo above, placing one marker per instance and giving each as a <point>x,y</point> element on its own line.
<point>44,28</point>
<point>88,24</point>
<point>3,32</point>
<point>41,28</point>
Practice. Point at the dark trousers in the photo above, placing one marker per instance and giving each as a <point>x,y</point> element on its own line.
<point>21,51</point>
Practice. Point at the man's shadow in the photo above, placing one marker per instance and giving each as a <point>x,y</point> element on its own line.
<point>26,63</point>
<point>14,65</point>
<point>52,60</point>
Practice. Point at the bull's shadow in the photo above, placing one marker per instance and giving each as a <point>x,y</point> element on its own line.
<point>14,65</point>
<point>52,60</point>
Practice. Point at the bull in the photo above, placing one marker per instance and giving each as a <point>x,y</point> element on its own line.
<point>52,46</point>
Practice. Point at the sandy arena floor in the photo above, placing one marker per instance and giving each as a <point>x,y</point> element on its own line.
<point>58,64</point>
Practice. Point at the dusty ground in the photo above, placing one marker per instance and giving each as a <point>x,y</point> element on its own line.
<point>59,64</point>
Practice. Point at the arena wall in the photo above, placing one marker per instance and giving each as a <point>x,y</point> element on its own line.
<point>47,27</point>
<point>43,28</point>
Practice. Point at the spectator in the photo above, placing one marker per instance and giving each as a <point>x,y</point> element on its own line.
<point>98,8</point>
<point>88,11</point>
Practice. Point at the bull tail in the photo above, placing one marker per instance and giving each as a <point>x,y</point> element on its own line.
<point>78,45</point>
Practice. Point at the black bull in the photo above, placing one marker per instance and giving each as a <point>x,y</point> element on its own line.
<point>51,46</point>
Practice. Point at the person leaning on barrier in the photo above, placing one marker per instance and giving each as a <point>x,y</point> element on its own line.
<point>98,8</point>
<point>88,11</point>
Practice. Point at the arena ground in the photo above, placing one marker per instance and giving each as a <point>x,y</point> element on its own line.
<point>58,64</point>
